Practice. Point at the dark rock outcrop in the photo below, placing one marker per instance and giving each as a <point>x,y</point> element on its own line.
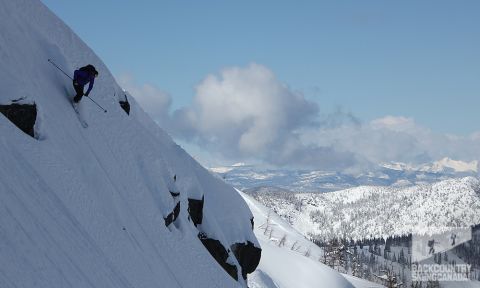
<point>22,115</point>
<point>125,105</point>
<point>174,194</point>
<point>195,209</point>
<point>220,254</point>
<point>248,256</point>
<point>172,216</point>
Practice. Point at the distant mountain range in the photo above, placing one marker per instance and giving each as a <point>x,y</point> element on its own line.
<point>396,199</point>
<point>394,174</point>
<point>377,212</point>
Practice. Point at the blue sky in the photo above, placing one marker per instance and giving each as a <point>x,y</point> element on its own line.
<point>418,59</point>
<point>414,59</point>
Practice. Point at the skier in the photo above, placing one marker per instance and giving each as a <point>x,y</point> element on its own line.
<point>431,244</point>
<point>453,236</point>
<point>81,77</point>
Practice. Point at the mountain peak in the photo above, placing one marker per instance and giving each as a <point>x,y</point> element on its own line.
<point>455,165</point>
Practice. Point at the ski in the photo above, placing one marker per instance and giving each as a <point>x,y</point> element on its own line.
<point>82,122</point>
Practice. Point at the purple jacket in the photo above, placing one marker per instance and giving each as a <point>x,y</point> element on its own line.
<point>83,77</point>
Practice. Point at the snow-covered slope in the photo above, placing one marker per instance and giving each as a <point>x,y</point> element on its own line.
<point>370,211</point>
<point>289,260</point>
<point>86,207</point>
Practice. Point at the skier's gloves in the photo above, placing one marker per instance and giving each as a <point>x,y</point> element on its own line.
<point>86,95</point>
<point>75,83</point>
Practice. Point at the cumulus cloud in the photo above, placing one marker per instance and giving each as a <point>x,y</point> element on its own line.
<point>247,114</point>
<point>393,138</point>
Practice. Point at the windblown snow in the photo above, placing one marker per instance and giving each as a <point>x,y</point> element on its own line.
<point>86,207</point>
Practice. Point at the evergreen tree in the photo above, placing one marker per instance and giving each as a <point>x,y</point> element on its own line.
<point>401,257</point>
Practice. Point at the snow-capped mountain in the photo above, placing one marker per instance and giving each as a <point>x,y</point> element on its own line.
<point>116,204</point>
<point>445,165</point>
<point>374,211</point>
<point>396,174</point>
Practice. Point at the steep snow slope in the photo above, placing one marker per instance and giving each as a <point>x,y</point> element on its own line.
<point>371,211</point>
<point>86,207</point>
<point>293,261</point>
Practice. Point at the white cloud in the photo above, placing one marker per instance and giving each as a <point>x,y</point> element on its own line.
<point>394,123</point>
<point>247,114</point>
<point>394,139</point>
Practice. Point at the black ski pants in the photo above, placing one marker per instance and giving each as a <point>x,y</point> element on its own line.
<point>79,90</point>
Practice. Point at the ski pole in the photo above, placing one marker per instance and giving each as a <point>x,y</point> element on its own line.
<point>104,110</point>
<point>53,63</point>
